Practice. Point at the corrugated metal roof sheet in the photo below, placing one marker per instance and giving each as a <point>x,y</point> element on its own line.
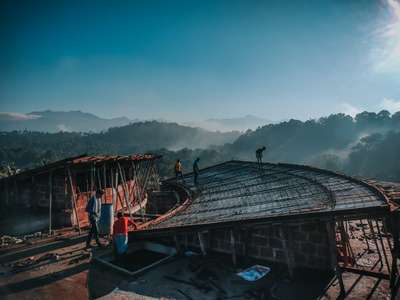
<point>83,160</point>
<point>238,191</point>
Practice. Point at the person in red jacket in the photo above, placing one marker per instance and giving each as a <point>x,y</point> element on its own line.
<point>120,233</point>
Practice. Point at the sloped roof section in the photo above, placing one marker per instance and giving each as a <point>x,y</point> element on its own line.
<point>236,191</point>
<point>83,161</point>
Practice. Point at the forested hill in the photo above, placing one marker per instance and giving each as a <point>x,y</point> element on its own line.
<point>297,141</point>
<point>27,149</point>
<point>367,145</point>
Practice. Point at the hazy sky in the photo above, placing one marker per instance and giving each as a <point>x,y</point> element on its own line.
<point>192,60</point>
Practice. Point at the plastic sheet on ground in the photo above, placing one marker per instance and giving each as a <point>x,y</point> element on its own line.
<point>254,273</point>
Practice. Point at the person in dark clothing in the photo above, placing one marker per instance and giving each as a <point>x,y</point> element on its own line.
<point>93,208</point>
<point>259,155</point>
<point>178,170</point>
<point>196,170</point>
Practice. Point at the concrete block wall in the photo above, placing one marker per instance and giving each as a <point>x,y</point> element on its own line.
<point>304,243</point>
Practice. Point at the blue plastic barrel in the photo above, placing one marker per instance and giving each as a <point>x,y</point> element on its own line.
<point>106,219</point>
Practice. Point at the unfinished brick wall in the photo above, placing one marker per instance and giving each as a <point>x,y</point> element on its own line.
<point>305,244</point>
<point>34,193</point>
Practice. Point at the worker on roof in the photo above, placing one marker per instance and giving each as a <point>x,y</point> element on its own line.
<point>120,233</point>
<point>93,208</point>
<point>196,170</point>
<point>178,170</point>
<point>259,155</point>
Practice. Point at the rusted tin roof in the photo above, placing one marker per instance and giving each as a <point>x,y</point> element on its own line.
<point>83,161</point>
<point>238,191</point>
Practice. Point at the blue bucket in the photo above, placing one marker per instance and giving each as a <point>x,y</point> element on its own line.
<point>106,219</point>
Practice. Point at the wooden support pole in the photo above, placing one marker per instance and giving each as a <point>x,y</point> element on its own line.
<point>233,247</point>
<point>33,193</point>
<point>112,188</point>
<point>137,187</point>
<point>125,190</point>
<point>330,227</point>
<point>202,243</point>
<point>99,179</point>
<point>395,250</point>
<point>104,177</point>
<point>74,200</point>
<point>365,235</point>
<point>16,193</point>
<point>117,193</point>
<point>346,243</point>
<point>7,194</point>
<point>92,170</point>
<point>50,200</point>
<point>382,245</point>
<point>371,228</point>
<point>385,222</point>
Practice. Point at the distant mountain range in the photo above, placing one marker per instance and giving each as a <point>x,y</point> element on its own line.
<point>56,121</point>
<point>231,124</point>
<point>77,121</point>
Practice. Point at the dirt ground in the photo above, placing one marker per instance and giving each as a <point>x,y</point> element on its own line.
<point>64,269</point>
<point>49,271</point>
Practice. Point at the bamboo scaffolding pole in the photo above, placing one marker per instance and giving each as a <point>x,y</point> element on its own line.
<point>137,188</point>
<point>98,179</point>
<point>147,175</point>
<point>125,191</point>
<point>74,199</point>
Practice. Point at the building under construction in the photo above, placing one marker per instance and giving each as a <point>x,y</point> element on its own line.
<point>59,191</point>
<point>297,217</point>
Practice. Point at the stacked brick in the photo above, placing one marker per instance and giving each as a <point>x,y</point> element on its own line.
<point>305,244</point>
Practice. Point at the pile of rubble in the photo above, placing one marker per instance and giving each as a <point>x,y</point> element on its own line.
<point>7,240</point>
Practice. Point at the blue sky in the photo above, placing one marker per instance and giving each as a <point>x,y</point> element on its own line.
<point>193,60</point>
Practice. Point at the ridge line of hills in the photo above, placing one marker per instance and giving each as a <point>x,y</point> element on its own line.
<point>367,145</point>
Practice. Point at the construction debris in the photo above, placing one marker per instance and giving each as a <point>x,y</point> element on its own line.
<point>7,240</point>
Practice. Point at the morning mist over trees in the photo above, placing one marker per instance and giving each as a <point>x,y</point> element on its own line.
<point>367,145</point>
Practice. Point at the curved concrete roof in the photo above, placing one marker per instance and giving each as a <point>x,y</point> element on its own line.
<point>236,191</point>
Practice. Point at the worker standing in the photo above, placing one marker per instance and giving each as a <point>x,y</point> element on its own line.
<point>178,170</point>
<point>120,233</point>
<point>259,155</point>
<point>196,170</point>
<point>93,208</point>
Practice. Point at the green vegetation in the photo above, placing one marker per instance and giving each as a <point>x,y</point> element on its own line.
<point>367,145</point>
